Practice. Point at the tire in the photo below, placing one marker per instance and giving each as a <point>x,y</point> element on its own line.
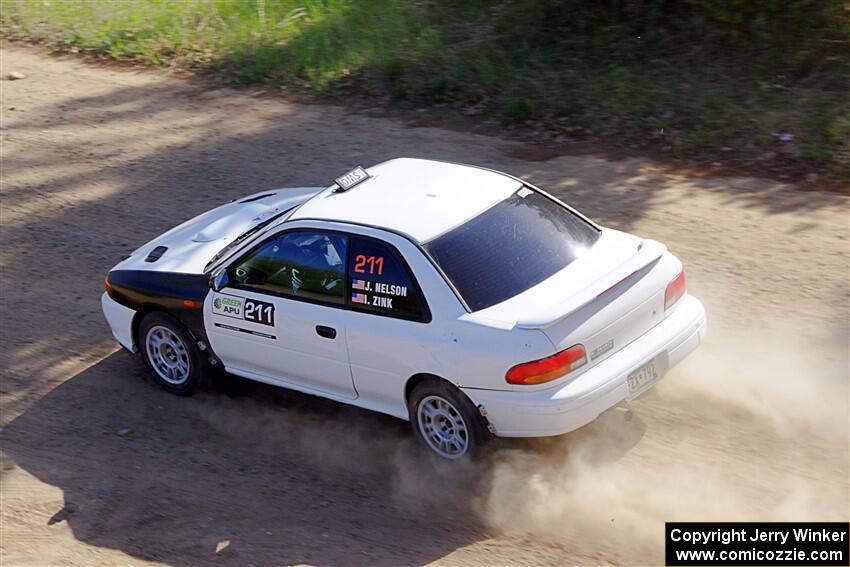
<point>445,421</point>
<point>170,354</point>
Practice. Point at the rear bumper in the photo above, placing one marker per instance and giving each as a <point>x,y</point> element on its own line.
<point>120,321</point>
<point>567,407</point>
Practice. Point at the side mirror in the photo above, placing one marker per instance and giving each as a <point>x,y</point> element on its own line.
<point>219,280</point>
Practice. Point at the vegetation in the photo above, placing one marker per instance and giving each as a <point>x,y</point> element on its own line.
<point>692,78</point>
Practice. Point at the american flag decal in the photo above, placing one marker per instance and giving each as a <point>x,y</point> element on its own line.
<point>358,297</point>
<point>358,284</point>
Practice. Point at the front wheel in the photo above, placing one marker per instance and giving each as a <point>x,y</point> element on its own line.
<point>445,420</point>
<point>170,354</point>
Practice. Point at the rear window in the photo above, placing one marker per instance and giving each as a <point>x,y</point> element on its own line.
<point>510,247</point>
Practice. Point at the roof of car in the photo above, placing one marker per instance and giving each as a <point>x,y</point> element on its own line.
<point>421,198</point>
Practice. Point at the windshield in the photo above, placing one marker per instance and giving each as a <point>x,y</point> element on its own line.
<point>248,236</point>
<point>511,247</point>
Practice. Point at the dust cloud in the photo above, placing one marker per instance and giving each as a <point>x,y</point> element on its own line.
<point>753,426</point>
<point>747,428</point>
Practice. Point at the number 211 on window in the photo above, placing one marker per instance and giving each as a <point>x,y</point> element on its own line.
<point>369,264</point>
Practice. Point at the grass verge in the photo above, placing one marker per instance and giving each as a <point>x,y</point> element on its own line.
<point>745,82</point>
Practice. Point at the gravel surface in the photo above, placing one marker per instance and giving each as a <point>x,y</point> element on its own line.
<point>100,467</point>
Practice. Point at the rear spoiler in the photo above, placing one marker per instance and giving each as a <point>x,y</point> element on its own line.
<point>649,251</point>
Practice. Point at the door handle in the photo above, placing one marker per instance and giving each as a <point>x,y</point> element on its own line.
<point>327,332</point>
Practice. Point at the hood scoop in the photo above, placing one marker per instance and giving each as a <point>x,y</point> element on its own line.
<point>243,217</point>
<point>257,198</point>
<point>156,254</point>
<point>220,228</point>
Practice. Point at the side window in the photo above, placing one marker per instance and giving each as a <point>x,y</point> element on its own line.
<point>305,264</point>
<point>380,281</point>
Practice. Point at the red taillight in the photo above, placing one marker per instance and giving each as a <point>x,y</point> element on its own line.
<point>675,290</point>
<point>547,369</point>
<point>107,285</point>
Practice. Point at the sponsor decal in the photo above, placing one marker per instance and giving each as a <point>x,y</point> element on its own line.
<point>247,309</point>
<point>248,331</point>
<point>228,305</point>
<point>352,178</point>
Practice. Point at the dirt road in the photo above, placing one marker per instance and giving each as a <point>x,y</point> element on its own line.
<point>99,467</point>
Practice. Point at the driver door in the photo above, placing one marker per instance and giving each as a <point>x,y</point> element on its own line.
<point>281,318</point>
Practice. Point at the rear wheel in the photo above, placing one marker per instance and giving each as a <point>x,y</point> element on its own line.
<point>170,354</point>
<point>445,421</point>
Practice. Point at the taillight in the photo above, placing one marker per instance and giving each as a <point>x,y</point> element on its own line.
<point>547,369</point>
<point>107,285</point>
<point>675,290</point>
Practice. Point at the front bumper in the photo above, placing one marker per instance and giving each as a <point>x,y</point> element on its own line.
<point>567,407</point>
<point>120,321</point>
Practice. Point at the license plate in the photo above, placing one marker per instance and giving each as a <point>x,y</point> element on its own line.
<point>642,378</point>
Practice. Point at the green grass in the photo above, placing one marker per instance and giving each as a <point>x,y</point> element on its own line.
<point>697,78</point>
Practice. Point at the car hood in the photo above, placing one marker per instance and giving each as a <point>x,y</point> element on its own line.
<point>190,246</point>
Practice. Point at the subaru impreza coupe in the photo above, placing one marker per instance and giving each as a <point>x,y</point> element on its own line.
<point>464,300</point>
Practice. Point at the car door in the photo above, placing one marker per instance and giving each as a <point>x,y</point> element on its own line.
<point>281,317</point>
<point>387,324</point>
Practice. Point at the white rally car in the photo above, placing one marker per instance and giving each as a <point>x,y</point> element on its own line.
<point>461,299</point>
